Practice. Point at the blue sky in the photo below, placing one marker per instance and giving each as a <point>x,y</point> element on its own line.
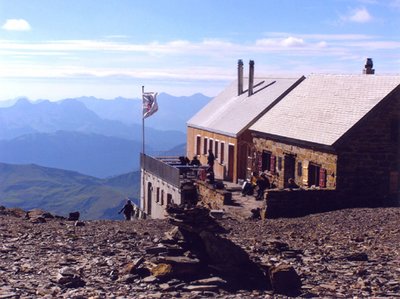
<point>54,49</point>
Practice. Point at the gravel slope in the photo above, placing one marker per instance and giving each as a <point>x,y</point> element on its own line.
<point>340,254</point>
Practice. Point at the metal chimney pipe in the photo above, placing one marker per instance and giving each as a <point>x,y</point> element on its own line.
<point>368,70</point>
<point>251,77</point>
<point>240,77</point>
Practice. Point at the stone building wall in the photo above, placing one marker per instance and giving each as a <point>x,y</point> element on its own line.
<point>303,158</point>
<point>213,198</point>
<point>296,203</point>
<point>369,157</point>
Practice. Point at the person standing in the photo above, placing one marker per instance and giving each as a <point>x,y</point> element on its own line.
<point>262,184</point>
<point>127,210</point>
<point>210,159</point>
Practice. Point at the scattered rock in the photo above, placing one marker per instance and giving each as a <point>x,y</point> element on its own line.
<point>358,256</point>
<point>285,280</point>
<point>341,254</point>
<point>74,216</point>
<point>80,223</point>
<point>69,278</point>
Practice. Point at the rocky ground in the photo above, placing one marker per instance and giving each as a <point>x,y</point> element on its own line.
<point>341,254</point>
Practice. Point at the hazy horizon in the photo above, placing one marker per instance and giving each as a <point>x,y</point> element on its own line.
<point>69,49</point>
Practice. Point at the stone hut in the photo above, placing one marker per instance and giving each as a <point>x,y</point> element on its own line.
<point>335,132</point>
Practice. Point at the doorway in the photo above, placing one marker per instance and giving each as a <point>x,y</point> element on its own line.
<point>289,167</point>
<point>231,155</point>
<point>313,175</point>
<point>149,197</point>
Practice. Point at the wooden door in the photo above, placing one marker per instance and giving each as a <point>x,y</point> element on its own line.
<point>289,164</point>
<point>231,161</point>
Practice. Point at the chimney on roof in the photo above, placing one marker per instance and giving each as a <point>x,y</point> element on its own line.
<point>240,77</point>
<point>251,77</point>
<point>368,70</point>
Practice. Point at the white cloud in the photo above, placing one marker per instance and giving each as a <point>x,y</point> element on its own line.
<point>287,42</point>
<point>16,25</point>
<point>359,15</point>
<point>292,42</point>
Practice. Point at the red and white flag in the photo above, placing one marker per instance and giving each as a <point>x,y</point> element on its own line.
<point>150,105</point>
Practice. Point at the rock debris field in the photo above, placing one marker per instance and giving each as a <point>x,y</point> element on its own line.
<point>340,254</point>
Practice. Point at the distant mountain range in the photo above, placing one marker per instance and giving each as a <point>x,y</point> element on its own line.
<point>92,154</point>
<point>82,146</point>
<point>93,136</point>
<point>173,112</point>
<point>60,191</point>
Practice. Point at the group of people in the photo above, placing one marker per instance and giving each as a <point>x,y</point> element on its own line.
<point>261,183</point>
<point>186,161</point>
<point>257,182</point>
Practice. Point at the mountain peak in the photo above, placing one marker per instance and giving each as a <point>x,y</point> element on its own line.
<point>23,102</point>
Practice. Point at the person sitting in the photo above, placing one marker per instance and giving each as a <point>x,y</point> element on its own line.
<point>292,184</point>
<point>195,161</point>
<point>262,184</point>
<point>184,160</point>
<point>249,186</point>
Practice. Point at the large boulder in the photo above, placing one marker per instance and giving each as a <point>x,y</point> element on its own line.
<point>285,280</point>
<point>74,216</point>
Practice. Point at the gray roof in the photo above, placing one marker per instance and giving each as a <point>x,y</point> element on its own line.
<point>230,114</point>
<point>324,107</point>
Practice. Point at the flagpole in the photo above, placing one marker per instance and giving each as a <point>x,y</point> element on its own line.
<point>143,157</point>
<point>142,124</point>
<point>150,106</point>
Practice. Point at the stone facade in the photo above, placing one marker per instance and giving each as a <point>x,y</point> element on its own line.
<point>213,198</point>
<point>297,203</point>
<point>301,160</point>
<point>369,156</point>
<point>363,166</point>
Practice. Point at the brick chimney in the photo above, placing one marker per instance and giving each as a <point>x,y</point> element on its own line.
<point>251,77</point>
<point>240,77</point>
<point>368,70</point>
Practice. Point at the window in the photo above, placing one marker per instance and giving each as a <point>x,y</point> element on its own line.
<point>222,156</point>
<point>162,197</point>
<point>211,144</point>
<point>313,174</point>
<point>169,198</point>
<point>158,194</point>
<point>216,149</point>
<point>198,145</point>
<point>205,146</point>
<point>265,161</point>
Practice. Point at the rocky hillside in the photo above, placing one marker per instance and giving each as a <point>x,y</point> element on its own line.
<point>340,254</point>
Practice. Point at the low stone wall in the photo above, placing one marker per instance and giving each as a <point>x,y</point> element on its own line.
<point>296,203</point>
<point>213,198</point>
